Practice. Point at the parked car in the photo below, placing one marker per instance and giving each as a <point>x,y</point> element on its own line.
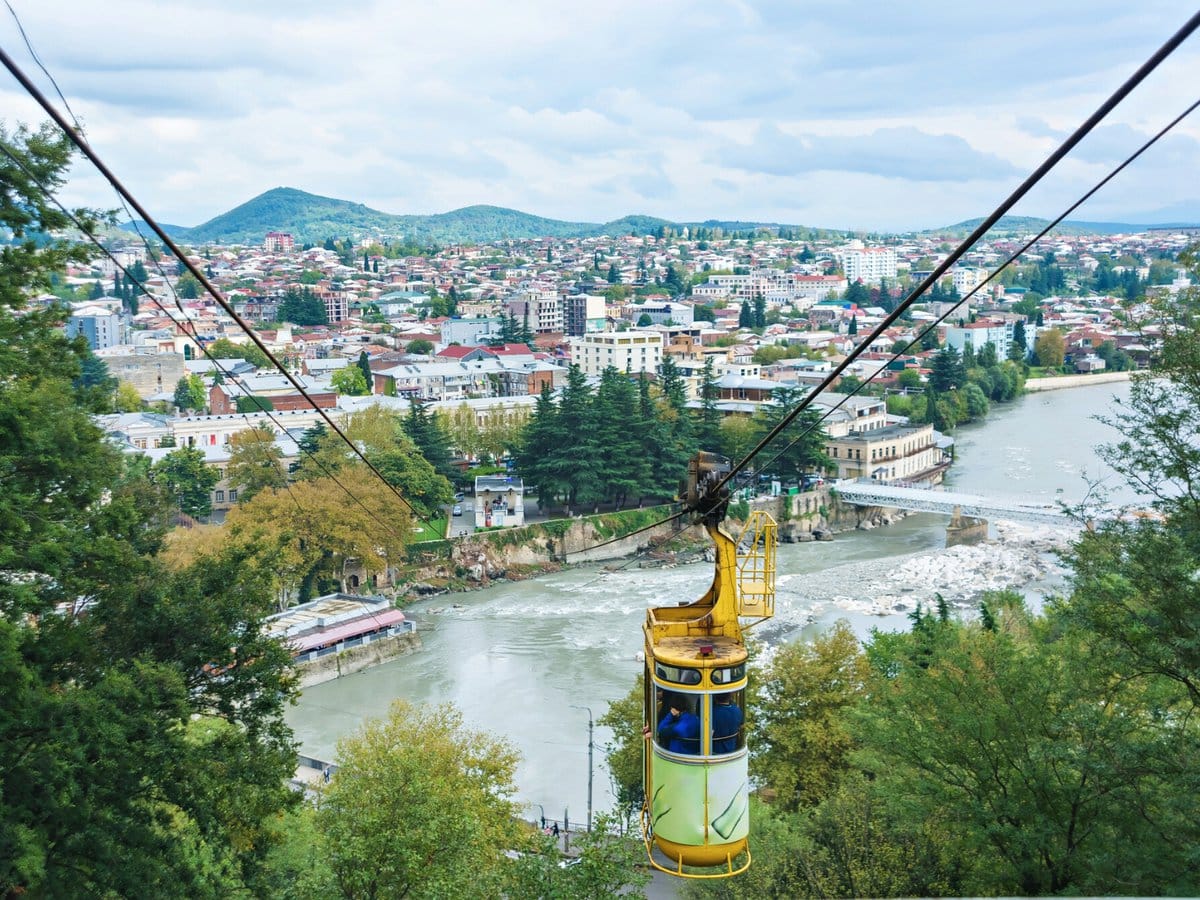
<point>457,510</point>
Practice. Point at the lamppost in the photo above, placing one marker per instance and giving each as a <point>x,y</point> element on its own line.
<point>590,745</point>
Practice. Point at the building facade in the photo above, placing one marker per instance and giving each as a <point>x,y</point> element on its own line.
<point>626,351</point>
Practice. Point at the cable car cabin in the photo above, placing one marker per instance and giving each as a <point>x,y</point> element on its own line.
<point>697,807</point>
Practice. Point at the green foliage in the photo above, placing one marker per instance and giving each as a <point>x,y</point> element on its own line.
<point>186,478</point>
<point>420,347</point>
<point>190,393</point>
<point>349,380</point>
<point>625,751</point>
<point>130,768</point>
<point>421,807</point>
<point>254,404</point>
<point>223,348</point>
<point>255,462</point>
<point>800,743</point>
<point>800,447</point>
<point>303,308</point>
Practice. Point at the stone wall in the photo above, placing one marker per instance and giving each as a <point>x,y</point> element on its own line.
<point>355,659</point>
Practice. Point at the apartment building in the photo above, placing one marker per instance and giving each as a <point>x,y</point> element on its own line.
<point>867,264</point>
<point>626,351</point>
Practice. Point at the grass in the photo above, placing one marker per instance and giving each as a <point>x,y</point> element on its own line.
<point>434,531</point>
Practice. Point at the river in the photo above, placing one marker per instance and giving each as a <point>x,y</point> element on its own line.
<point>524,660</point>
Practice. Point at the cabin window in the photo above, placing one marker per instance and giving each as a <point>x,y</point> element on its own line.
<point>676,675</point>
<point>729,675</point>
<point>728,717</point>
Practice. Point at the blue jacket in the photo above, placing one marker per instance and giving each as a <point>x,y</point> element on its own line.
<point>680,734</point>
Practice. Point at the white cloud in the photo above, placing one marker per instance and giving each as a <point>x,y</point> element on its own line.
<point>754,109</point>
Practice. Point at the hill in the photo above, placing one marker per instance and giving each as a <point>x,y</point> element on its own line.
<point>311,218</point>
<point>1028,225</point>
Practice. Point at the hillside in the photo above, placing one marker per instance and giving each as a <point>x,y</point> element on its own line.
<point>1028,225</point>
<point>311,218</point>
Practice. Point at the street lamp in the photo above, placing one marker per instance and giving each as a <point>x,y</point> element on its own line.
<point>590,745</point>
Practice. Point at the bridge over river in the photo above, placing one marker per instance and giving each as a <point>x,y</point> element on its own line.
<point>874,493</point>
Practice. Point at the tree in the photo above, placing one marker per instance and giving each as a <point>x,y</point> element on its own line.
<point>644,320</point>
<point>428,433</point>
<point>614,274</point>
<point>797,729</point>
<point>302,307</point>
<point>189,393</point>
<point>188,287</point>
<point>746,316</point>
<point>223,348</point>
<point>625,752</point>
<point>800,447</point>
<point>364,365</point>
<point>309,532</point>
<point>349,380</point>
<point>708,425</point>
<point>1050,348</point>
<point>1019,741</point>
<point>419,347</point>
<point>760,311</point>
<point>255,462</point>
<point>128,399</point>
<point>421,806</point>
<point>858,295</point>
<point>947,371</point>
<point>94,383</point>
<point>186,477</point>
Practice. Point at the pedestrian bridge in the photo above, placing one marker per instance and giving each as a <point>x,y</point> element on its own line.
<point>875,493</point>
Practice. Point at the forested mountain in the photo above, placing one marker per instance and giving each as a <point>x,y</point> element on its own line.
<point>1018,225</point>
<point>311,218</point>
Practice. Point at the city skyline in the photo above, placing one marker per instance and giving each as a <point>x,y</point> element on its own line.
<point>904,119</point>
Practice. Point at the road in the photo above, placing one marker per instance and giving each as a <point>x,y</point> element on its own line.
<point>464,524</point>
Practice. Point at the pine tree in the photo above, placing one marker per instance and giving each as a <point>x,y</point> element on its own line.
<point>364,363</point>
<point>708,427</point>
<point>428,433</point>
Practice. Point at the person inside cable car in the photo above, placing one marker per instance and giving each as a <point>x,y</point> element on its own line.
<point>727,720</point>
<point>679,729</point>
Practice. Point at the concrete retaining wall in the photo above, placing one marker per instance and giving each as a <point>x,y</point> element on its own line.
<point>1034,385</point>
<point>355,659</point>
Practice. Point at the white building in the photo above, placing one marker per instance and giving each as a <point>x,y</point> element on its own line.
<point>867,264</point>
<point>626,351</point>
<point>978,334</point>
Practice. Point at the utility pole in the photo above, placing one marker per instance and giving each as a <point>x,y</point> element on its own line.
<point>590,747</point>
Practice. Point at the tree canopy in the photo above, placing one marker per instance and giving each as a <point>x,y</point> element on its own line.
<point>144,747</point>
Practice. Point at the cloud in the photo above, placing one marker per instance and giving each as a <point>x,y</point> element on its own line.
<point>905,153</point>
<point>749,109</point>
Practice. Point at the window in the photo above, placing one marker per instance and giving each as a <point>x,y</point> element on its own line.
<point>676,675</point>
<point>728,717</point>
<point>233,496</point>
<point>220,496</point>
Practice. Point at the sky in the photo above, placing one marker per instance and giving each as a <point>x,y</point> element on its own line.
<point>868,115</point>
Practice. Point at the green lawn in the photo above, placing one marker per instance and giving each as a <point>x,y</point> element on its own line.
<point>435,531</point>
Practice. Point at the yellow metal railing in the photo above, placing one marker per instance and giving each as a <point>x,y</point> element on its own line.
<point>756,567</point>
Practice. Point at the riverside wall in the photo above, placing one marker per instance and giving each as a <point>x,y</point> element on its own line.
<point>355,659</point>
<point>1033,385</point>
